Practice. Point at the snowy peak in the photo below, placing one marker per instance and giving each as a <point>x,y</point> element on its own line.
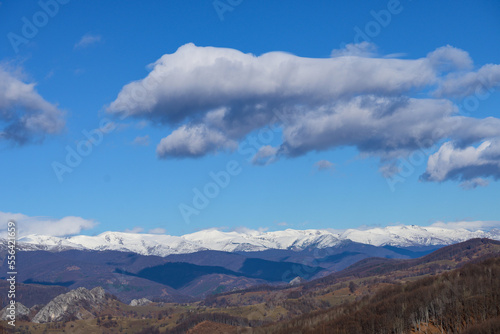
<point>251,240</point>
<point>413,235</point>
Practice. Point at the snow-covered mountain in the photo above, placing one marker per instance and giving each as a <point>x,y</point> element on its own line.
<point>251,240</point>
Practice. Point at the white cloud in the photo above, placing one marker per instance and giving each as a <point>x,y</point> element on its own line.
<point>386,127</point>
<point>195,80</point>
<point>448,58</point>
<point>482,82</point>
<point>157,230</point>
<point>469,225</point>
<point>25,115</point>
<point>193,141</point>
<point>465,164</point>
<point>87,40</point>
<point>385,107</point>
<point>243,92</point>
<point>26,225</point>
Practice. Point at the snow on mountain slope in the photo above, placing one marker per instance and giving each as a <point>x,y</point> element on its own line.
<point>251,240</point>
<point>146,244</point>
<point>414,235</point>
<point>42,242</point>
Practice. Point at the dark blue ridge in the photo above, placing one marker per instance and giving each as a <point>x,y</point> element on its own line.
<point>66,284</point>
<point>179,274</point>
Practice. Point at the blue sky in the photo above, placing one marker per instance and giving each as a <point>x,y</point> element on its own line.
<point>337,160</point>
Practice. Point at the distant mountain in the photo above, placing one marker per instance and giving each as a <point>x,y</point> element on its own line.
<point>248,241</point>
<point>181,277</point>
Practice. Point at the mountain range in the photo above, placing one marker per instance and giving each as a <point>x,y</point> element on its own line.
<point>190,267</point>
<point>252,240</point>
<point>182,277</point>
<point>452,289</point>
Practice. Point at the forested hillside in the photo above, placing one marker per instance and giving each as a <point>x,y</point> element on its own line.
<point>466,299</point>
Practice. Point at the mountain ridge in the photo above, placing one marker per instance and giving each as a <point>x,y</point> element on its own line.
<point>251,240</point>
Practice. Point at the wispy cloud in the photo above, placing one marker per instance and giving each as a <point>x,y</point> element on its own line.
<point>324,165</point>
<point>265,155</point>
<point>469,225</point>
<point>474,183</point>
<point>135,229</point>
<point>138,229</point>
<point>79,71</point>
<point>87,40</point>
<point>363,49</point>
<point>141,141</point>
<point>246,230</point>
<point>157,230</point>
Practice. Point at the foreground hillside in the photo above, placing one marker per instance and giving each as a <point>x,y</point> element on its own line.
<point>452,290</point>
<point>463,300</point>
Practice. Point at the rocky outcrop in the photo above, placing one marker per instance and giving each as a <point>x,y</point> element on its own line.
<point>76,304</point>
<point>20,311</point>
<point>297,280</point>
<point>140,302</point>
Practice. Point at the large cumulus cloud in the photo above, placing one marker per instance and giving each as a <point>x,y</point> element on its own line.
<point>386,107</point>
<point>195,80</point>
<point>25,116</point>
